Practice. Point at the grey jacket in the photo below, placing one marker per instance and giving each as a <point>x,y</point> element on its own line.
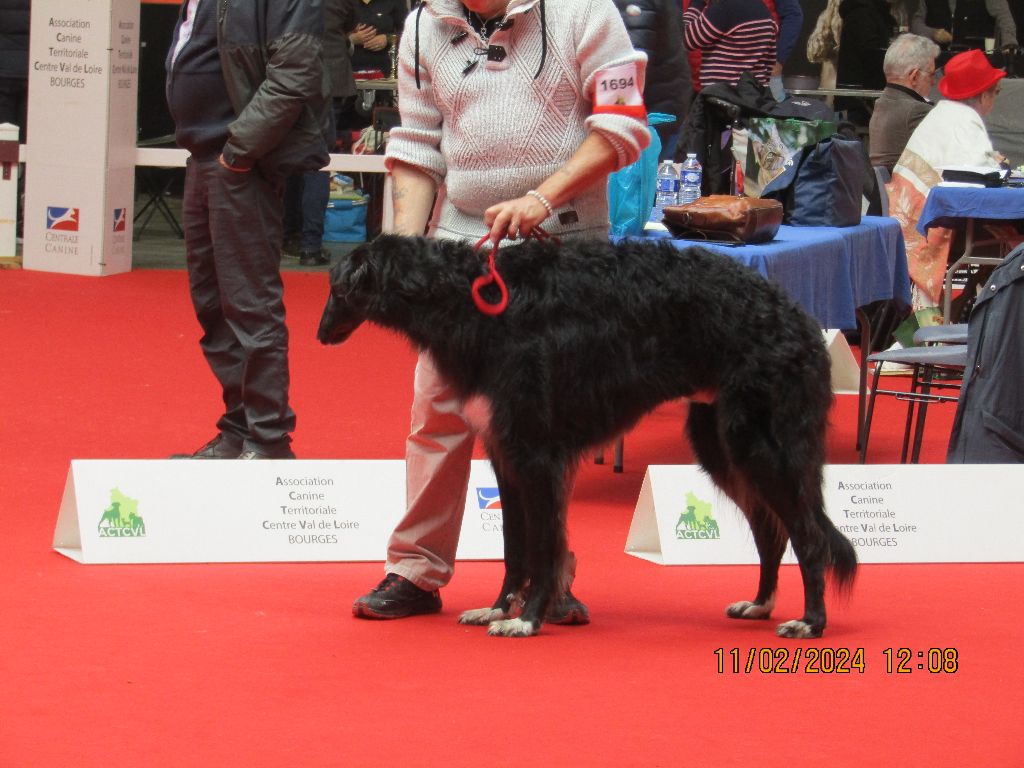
<point>271,57</point>
<point>989,423</point>
<point>897,112</point>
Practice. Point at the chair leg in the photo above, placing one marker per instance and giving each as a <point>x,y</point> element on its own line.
<point>865,427</point>
<point>619,449</point>
<point>914,380</point>
<point>926,385</point>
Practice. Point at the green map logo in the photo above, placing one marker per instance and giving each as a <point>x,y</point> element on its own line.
<point>121,519</point>
<point>697,522</point>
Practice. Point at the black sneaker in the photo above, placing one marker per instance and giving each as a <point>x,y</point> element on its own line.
<point>291,246</point>
<point>314,258</point>
<point>568,610</point>
<point>395,598</point>
<point>221,447</point>
<point>250,454</point>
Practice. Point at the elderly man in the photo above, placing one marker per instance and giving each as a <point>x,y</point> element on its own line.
<point>909,68</point>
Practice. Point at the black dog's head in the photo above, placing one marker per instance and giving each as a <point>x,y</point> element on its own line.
<point>387,281</point>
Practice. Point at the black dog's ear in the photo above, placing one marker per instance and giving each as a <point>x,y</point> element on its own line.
<point>351,271</point>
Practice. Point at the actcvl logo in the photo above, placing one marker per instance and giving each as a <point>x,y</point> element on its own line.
<point>488,498</point>
<point>62,219</point>
<point>120,219</point>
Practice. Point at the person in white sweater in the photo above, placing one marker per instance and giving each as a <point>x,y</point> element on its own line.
<point>513,113</point>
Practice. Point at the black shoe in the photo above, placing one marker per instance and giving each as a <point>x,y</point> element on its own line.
<point>315,258</point>
<point>221,447</point>
<point>291,247</point>
<point>257,453</point>
<point>568,610</point>
<point>395,598</point>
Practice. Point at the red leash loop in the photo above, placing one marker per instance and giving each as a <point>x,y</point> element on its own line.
<point>493,276</point>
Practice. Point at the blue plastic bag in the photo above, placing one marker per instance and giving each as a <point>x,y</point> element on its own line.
<point>345,221</point>
<point>631,189</point>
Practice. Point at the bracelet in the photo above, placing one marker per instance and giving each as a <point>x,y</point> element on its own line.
<point>543,201</point>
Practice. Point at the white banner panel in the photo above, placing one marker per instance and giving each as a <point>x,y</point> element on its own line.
<point>179,511</point>
<point>893,513</point>
<point>80,155</point>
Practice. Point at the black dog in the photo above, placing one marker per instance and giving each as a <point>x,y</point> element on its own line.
<point>595,336</point>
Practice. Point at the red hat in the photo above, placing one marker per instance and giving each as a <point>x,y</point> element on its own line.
<point>967,74</point>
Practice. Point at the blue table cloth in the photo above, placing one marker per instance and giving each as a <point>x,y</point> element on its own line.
<point>951,206</point>
<point>830,271</point>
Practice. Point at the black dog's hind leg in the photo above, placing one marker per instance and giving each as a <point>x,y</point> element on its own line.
<point>771,544</point>
<point>777,461</point>
<point>510,598</point>
<point>541,485</point>
<point>702,427</point>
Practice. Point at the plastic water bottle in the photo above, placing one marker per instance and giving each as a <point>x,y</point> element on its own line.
<point>666,190</point>
<point>692,173</point>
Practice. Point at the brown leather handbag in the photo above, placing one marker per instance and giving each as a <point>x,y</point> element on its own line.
<point>725,217</point>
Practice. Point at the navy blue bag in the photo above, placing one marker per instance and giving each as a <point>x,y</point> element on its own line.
<point>823,186</point>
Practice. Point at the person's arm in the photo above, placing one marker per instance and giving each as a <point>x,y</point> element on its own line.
<point>698,32</point>
<point>294,75</point>
<point>791,19</point>
<point>919,27</point>
<point>1006,27</point>
<point>413,196</point>
<point>590,164</point>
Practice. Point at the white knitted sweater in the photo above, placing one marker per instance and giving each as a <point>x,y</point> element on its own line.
<point>491,133</point>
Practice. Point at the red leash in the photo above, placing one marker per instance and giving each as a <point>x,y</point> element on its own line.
<point>493,276</point>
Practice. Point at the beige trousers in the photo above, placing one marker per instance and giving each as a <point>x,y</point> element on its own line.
<point>437,455</point>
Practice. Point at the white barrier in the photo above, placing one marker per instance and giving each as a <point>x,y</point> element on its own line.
<point>181,511</point>
<point>902,513</point>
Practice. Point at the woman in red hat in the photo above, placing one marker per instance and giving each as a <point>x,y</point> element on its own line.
<point>951,134</point>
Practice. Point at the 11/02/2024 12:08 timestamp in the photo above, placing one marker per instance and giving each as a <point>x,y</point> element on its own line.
<point>822,660</point>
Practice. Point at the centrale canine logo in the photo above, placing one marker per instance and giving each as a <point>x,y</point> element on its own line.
<point>121,519</point>
<point>62,219</point>
<point>488,498</point>
<point>697,521</point>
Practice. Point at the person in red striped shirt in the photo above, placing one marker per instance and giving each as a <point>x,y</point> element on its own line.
<point>734,36</point>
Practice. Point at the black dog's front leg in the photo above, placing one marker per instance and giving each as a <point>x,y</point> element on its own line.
<point>510,599</point>
<point>540,490</point>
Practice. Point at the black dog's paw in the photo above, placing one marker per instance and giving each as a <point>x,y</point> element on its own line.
<point>797,629</point>
<point>744,609</point>
<point>513,628</point>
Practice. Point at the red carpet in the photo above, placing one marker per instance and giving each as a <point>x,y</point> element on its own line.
<point>262,665</point>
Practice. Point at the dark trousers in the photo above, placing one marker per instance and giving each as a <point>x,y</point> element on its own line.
<point>232,225</point>
<point>305,205</point>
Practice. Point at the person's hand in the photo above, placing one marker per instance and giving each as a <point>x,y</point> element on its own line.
<point>362,34</point>
<point>513,218</point>
<point>777,69</point>
<point>376,43</point>
<point>942,36</point>
<point>236,168</point>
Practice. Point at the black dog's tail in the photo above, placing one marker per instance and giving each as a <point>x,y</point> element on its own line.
<point>842,561</point>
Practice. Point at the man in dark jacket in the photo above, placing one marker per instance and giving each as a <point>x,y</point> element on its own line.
<point>249,96</point>
<point>656,28</point>
<point>306,194</point>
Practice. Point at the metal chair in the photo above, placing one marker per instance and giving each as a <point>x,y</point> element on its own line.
<point>926,362</point>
